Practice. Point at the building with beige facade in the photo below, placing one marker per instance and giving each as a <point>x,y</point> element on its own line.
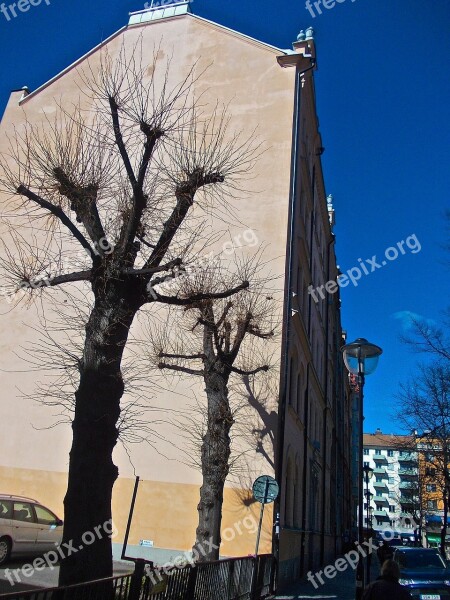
<point>299,422</point>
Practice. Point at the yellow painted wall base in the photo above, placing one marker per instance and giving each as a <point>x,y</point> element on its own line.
<point>165,513</point>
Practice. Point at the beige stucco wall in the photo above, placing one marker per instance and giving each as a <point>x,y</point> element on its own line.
<point>244,75</point>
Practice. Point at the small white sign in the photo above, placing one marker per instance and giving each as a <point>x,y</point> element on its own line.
<point>148,543</point>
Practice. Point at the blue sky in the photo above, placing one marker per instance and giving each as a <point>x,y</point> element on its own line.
<point>383,98</point>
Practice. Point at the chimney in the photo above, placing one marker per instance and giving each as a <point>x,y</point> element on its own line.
<point>378,431</point>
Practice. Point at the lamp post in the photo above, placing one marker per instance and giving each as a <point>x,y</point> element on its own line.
<point>368,473</point>
<point>361,359</point>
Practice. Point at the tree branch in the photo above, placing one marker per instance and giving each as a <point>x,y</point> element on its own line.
<point>57,280</point>
<point>254,331</point>
<point>252,372</point>
<point>120,143</point>
<point>199,297</point>
<point>58,212</point>
<point>162,365</point>
<point>176,262</point>
<point>182,356</point>
<point>184,193</point>
<point>83,201</point>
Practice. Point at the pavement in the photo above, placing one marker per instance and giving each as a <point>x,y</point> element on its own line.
<point>340,587</point>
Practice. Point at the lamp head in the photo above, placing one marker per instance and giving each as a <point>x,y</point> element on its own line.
<point>361,357</point>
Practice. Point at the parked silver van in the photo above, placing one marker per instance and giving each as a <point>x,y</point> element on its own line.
<point>26,527</point>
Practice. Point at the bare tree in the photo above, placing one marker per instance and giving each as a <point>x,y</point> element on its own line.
<point>424,406</point>
<point>118,177</point>
<point>219,342</point>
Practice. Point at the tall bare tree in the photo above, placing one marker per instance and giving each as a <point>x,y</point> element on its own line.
<point>219,342</point>
<point>424,406</point>
<point>118,176</point>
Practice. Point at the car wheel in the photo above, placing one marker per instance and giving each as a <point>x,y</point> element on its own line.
<point>5,549</point>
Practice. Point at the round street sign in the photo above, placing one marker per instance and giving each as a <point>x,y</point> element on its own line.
<point>265,489</point>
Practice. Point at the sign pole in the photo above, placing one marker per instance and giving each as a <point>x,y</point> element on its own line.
<point>261,514</point>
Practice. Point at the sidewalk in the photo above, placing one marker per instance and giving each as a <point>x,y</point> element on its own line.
<point>341,587</point>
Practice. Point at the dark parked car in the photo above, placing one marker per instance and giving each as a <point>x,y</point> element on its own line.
<point>424,573</point>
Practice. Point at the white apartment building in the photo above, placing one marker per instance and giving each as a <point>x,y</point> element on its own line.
<point>391,501</point>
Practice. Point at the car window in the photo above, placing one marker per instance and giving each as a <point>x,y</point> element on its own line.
<point>23,512</point>
<point>45,516</point>
<point>420,560</point>
<point>5,509</point>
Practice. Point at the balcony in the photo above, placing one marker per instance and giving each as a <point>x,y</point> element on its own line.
<point>380,499</point>
<point>380,485</point>
<point>380,471</point>
<point>408,502</point>
<point>381,514</point>
<point>407,458</point>
<point>380,458</point>
<point>407,485</point>
<point>407,472</point>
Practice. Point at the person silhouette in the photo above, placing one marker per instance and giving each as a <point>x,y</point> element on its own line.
<point>387,587</point>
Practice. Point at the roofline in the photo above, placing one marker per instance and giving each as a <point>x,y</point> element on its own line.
<point>124,28</point>
<point>242,35</point>
<point>71,66</point>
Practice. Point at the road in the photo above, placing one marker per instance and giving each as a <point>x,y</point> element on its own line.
<point>47,577</point>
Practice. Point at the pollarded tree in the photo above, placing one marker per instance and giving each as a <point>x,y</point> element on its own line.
<point>220,341</point>
<point>118,176</point>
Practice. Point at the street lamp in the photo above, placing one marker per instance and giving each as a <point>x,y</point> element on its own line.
<point>368,474</point>
<point>361,359</point>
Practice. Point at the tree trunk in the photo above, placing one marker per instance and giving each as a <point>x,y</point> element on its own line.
<point>92,473</point>
<point>215,456</point>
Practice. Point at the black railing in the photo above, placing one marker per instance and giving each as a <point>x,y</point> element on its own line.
<point>246,578</point>
<point>100,589</point>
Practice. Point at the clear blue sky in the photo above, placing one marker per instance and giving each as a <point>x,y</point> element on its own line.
<point>383,98</point>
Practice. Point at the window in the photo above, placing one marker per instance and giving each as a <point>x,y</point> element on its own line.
<point>392,508</point>
<point>391,494</point>
<point>390,467</point>
<point>379,479</point>
<point>432,504</point>
<point>391,481</point>
<point>380,522</point>
<point>5,509</point>
<point>23,512</point>
<point>378,452</point>
<point>366,464</point>
<point>431,487</point>
<point>44,516</point>
<point>379,506</point>
<point>390,453</point>
<point>366,451</point>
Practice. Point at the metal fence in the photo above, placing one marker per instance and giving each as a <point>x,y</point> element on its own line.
<point>246,578</point>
